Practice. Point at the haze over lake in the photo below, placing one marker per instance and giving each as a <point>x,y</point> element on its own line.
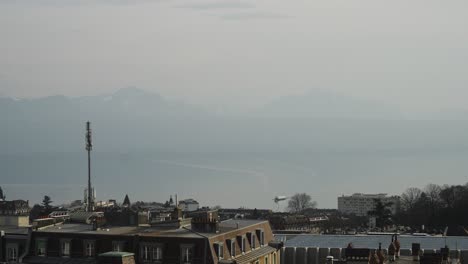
<point>150,148</point>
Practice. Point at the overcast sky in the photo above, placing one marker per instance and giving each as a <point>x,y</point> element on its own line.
<point>409,53</point>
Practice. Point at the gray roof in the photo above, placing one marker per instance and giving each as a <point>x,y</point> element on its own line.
<point>13,230</point>
<point>87,229</point>
<point>372,241</point>
<point>84,217</point>
<point>232,223</point>
<point>78,228</point>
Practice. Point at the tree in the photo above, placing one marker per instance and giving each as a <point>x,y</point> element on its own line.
<point>46,204</point>
<point>382,213</point>
<point>299,202</point>
<point>35,212</point>
<point>410,197</point>
<point>216,207</point>
<point>2,195</point>
<point>433,194</point>
<point>126,202</point>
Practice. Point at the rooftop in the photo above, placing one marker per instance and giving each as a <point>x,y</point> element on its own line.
<point>225,226</point>
<point>372,241</point>
<point>74,228</point>
<point>87,229</point>
<point>239,223</point>
<point>14,230</point>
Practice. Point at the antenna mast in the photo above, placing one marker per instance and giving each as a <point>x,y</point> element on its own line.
<point>89,147</point>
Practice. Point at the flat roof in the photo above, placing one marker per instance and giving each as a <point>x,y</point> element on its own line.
<point>14,230</point>
<point>241,223</point>
<point>87,229</point>
<point>225,227</point>
<point>372,241</point>
<point>162,231</point>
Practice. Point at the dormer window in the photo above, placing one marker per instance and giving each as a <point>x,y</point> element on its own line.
<point>233,248</point>
<point>243,244</point>
<point>261,236</point>
<point>252,240</point>
<point>220,250</point>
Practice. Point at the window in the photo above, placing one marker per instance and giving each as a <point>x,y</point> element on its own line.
<point>41,247</point>
<point>220,250</point>
<point>157,253</point>
<point>145,253</point>
<point>262,238</point>
<point>233,248</point>
<point>152,253</point>
<point>243,244</point>
<point>12,253</point>
<point>253,241</point>
<point>274,258</point>
<point>266,260</point>
<point>89,248</point>
<point>65,248</point>
<point>117,246</point>
<point>186,254</point>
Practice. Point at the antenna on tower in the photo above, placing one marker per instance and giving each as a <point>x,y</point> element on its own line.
<point>89,147</point>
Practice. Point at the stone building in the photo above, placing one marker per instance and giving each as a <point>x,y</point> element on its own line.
<point>201,239</point>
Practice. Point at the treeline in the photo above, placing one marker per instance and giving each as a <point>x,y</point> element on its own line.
<point>436,207</point>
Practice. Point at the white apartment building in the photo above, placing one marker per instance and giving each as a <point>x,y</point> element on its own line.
<point>360,204</point>
<point>189,205</point>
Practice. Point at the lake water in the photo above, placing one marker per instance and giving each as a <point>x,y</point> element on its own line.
<point>229,179</point>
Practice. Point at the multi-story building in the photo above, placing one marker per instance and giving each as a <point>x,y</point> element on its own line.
<point>189,205</point>
<point>14,213</point>
<point>201,239</point>
<point>360,204</point>
<point>13,243</point>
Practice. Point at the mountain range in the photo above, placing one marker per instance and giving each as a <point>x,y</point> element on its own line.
<point>134,119</point>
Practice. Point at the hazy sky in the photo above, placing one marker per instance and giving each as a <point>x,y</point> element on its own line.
<point>410,53</point>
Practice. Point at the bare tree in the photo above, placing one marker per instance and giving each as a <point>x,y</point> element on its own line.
<point>433,194</point>
<point>299,202</point>
<point>410,197</point>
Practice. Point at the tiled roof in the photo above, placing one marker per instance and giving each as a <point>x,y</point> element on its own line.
<point>255,254</point>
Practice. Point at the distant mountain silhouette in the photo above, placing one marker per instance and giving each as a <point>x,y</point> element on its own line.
<point>132,119</point>
<point>53,123</point>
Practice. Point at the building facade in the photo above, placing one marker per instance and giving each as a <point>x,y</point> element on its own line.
<point>203,239</point>
<point>14,213</point>
<point>13,243</point>
<point>189,205</point>
<point>360,204</point>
